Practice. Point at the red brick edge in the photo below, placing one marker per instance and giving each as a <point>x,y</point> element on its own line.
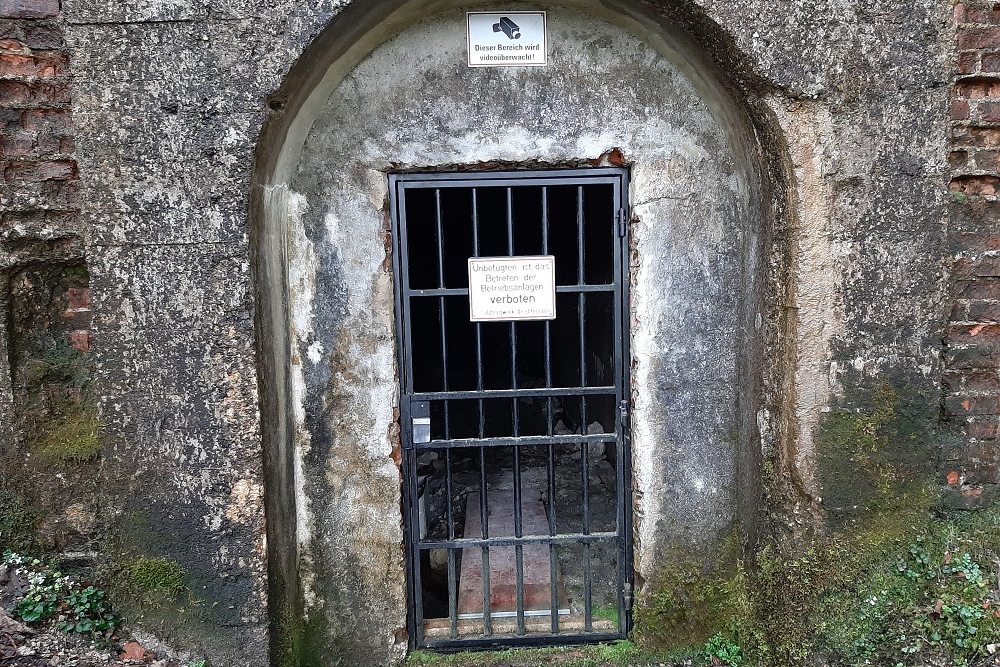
<point>971,462</point>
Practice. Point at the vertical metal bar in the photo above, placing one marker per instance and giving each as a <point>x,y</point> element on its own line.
<point>515,413</point>
<point>484,515</point>
<point>549,426</point>
<point>449,509</point>
<point>624,384</point>
<point>418,588</point>
<point>588,619</point>
<point>588,592</point>
<point>479,326</point>
<point>452,596</point>
<point>409,462</point>
<point>620,243</point>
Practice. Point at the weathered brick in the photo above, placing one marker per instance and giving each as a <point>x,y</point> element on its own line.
<point>78,297</point>
<point>973,242</point>
<point>16,93</point>
<point>986,137</point>
<point>983,429</point>
<point>80,340</point>
<point>972,474</point>
<point>983,266</point>
<point>991,62</point>
<point>978,38</point>
<point>29,9</point>
<point>36,171</point>
<point>43,36</point>
<point>983,311</point>
<point>989,111</point>
<point>981,473</point>
<point>959,12</point>
<point>47,119</point>
<point>968,61</point>
<point>988,160</point>
<point>981,381</point>
<point>978,88</point>
<point>954,452</point>
<point>974,334</point>
<point>980,186</point>
<point>957,406</point>
<point>958,158</point>
<point>988,15</point>
<point>959,110</point>
<point>985,288</point>
<point>49,65</point>
<point>17,145</point>
<point>978,356</point>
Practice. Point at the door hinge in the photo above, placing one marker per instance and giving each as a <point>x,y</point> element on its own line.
<point>627,597</point>
<point>622,223</point>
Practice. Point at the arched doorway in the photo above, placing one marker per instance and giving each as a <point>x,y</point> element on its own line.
<point>386,90</point>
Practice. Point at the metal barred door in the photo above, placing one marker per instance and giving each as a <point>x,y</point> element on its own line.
<point>514,423</point>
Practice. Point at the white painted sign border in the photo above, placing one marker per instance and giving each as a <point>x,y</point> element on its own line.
<point>549,289</point>
<point>498,15</point>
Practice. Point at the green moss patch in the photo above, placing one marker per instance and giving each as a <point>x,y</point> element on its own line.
<point>155,579</point>
<point>74,436</point>
<point>687,604</point>
<point>904,590</point>
<point>868,454</point>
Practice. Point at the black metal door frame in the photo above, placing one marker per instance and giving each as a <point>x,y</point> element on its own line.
<point>412,402</point>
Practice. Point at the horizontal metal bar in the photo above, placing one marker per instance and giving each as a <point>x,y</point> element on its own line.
<point>522,441</point>
<point>513,393</point>
<point>464,291</point>
<point>477,543</point>
<point>533,639</point>
<point>524,177</point>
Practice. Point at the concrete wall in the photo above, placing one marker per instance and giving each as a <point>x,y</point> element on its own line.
<point>191,118</point>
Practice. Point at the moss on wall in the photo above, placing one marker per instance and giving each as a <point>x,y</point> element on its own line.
<point>17,523</point>
<point>691,601</point>
<point>157,580</point>
<point>875,447</point>
<point>71,437</point>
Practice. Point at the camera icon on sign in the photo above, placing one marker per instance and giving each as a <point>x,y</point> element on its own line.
<point>509,28</point>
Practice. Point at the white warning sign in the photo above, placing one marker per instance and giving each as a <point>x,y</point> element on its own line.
<point>512,288</point>
<point>506,39</point>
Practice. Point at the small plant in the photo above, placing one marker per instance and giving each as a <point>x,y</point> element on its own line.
<point>720,651</point>
<point>199,663</point>
<point>51,595</point>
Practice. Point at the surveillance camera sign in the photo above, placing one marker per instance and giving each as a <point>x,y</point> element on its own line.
<point>512,288</point>
<point>507,39</point>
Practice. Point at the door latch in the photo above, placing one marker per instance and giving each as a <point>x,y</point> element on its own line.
<point>420,415</point>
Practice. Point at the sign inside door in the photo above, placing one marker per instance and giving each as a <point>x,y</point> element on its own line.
<point>512,288</point>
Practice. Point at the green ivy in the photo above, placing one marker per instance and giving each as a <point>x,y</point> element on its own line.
<point>53,596</point>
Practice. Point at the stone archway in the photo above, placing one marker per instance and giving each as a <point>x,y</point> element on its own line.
<point>385,88</point>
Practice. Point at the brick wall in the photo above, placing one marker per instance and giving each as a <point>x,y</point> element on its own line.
<point>971,468</point>
<point>44,291</point>
<point>39,209</point>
